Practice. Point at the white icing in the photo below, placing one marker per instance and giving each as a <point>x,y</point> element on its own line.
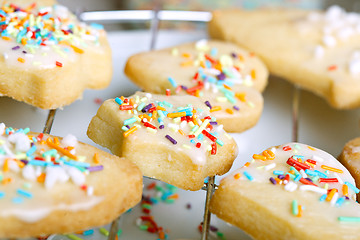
<point>32,215</point>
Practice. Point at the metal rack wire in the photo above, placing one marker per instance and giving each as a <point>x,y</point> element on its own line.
<point>155,16</point>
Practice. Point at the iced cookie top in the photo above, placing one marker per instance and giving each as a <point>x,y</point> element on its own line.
<point>299,167</point>
<point>34,167</point>
<point>335,28</point>
<point>170,121</point>
<point>44,37</point>
<point>218,75</point>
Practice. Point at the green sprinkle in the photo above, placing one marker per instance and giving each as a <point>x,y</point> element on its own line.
<point>295,209</point>
<point>73,237</point>
<point>143,227</point>
<point>147,206</point>
<point>170,201</point>
<point>349,219</point>
<point>104,232</point>
<point>119,232</point>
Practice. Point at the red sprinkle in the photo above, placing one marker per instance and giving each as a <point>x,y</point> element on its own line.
<point>332,68</point>
<point>311,161</point>
<point>146,124</point>
<point>198,145</point>
<point>328,180</point>
<point>296,164</point>
<point>307,182</point>
<point>213,149</point>
<point>168,92</point>
<point>287,148</point>
<point>59,64</point>
<point>211,137</point>
<point>126,107</point>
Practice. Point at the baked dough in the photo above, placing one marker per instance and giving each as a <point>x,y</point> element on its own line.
<point>318,51</point>
<point>350,158</point>
<point>218,72</point>
<point>49,63</point>
<point>181,151</point>
<point>44,190</point>
<point>293,210</point>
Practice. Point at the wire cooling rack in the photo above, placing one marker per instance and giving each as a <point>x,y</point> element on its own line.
<point>321,126</point>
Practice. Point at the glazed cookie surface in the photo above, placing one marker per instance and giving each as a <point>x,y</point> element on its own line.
<point>59,185</point>
<point>350,158</point>
<point>170,138</point>
<point>48,58</point>
<point>319,51</point>
<point>225,76</point>
<point>292,191</point>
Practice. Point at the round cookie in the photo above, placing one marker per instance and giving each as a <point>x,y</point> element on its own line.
<point>318,51</point>
<point>170,138</point>
<point>350,158</point>
<point>48,56</point>
<point>225,76</point>
<point>292,191</point>
<point>59,185</point>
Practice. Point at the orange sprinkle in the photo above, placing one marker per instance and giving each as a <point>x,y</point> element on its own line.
<point>237,176</point>
<point>332,169</point>
<point>215,108</point>
<point>229,110</point>
<point>252,54</point>
<point>241,96</point>
<point>21,60</point>
<point>6,180</point>
<point>41,178</point>
<point>331,194</point>
<point>227,87</point>
<point>6,38</point>
<point>96,158</point>
<point>20,163</point>
<point>241,58</point>
<point>6,165</point>
<point>186,55</point>
<point>332,68</point>
<point>76,49</point>
<point>160,108</point>
<point>299,211</point>
<point>56,141</point>
<point>176,114</point>
<point>132,102</point>
<point>23,41</point>
<point>60,149</point>
<point>247,164</point>
<point>278,180</point>
<point>268,154</point>
<point>147,117</point>
<point>130,131</point>
<point>181,132</point>
<point>259,157</point>
<point>253,74</point>
<point>292,172</point>
<point>161,235</point>
<point>345,190</point>
<point>69,148</point>
<point>197,93</point>
<point>186,63</point>
<point>218,66</point>
<point>174,196</point>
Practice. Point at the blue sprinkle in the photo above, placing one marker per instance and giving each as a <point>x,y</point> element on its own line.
<point>97,26</point>
<point>192,141</point>
<point>31,151</point>
<point>130,121</point>
<point>24,193</point>
<point>277,172</point>
<point>118,101</point>
<point>17,200</point>
<point>88,232</point>
<point>340,202</point>
<point>38,163</point>
<point>321,174</point>
<point>172,82</point>
<point>200,137</point>
<point>2,195</point>
<point>323,197</point>
<point>77,164</point>
<point>297,178</point>
<point>355,189</point>
<point>214,52</point>
<point>218,141</point>
<point>248,176</point>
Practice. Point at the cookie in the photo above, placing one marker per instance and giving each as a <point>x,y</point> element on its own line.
<point>225,76</point>
<point>292,191</point>
<point>170,138</point>
<point>59,185</point>
<point>48,57</point>
<point>350,158</point>
<point>318,51</point>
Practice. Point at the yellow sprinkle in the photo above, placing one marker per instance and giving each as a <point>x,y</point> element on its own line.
<point>176,114</point>
<point>221,99</point>
<point>130,131</point>
<point>230,111</point>
<point>241,96</point>
<point>331,194</point>
<point>181,132</point>
<point>251,104</point>
<point>253,74</point>
<point>215,108</point>
<point>332,169</point>
<point>186,63</point>
<point>6,38</point>
<point>345,190</point>
<point>175,52</point>
<point>311,148</point>
<point>151,130</point>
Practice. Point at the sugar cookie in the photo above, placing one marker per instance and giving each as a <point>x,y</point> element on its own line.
<point>292,191</point>
<point>170,138</point>
<point>319,51</point>
<point>48,56</point>
<point>350,158</point>
<point>59,185</point>
<point>225,76</point>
